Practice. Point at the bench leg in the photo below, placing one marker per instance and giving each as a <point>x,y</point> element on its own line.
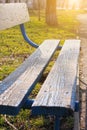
<point>57,123</point>
<point>28,104</point>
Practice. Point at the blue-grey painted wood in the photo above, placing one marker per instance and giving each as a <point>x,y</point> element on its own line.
<point>12,14</point>
<point>59,90</point>
<point>14,90</point>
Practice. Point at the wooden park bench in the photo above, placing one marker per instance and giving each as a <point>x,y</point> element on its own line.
<point>58,93</point>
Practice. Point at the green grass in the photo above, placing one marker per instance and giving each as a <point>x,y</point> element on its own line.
<point>14,50</point>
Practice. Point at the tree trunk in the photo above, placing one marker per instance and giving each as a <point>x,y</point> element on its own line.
<point>51,18</point>
<point>39,10</point>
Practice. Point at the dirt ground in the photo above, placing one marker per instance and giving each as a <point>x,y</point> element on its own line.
<point>82,32</point>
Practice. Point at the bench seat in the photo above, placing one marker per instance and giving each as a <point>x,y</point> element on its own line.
<point>58,93</point>
<point>15,89</point>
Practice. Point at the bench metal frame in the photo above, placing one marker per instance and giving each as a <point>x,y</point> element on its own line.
<point>26,37</point>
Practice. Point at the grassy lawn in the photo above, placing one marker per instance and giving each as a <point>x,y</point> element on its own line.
<point>14,50</point>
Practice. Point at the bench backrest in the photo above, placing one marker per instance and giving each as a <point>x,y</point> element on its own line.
<point>13,14</point>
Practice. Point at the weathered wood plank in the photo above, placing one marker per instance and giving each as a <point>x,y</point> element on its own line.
<point>17,86</point>
<point>59,89</point>
<point>13,14</point>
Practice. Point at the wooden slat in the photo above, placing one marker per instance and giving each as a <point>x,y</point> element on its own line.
<point>13,14</point>
<point>17,86</point>
<point>59,89</point>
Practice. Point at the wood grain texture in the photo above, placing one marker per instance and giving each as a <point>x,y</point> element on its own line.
<point>59,89</point>
<point>17,86</point>
<point>13,14</point>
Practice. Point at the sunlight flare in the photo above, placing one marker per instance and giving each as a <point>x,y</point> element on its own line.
<point>74,3</point>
